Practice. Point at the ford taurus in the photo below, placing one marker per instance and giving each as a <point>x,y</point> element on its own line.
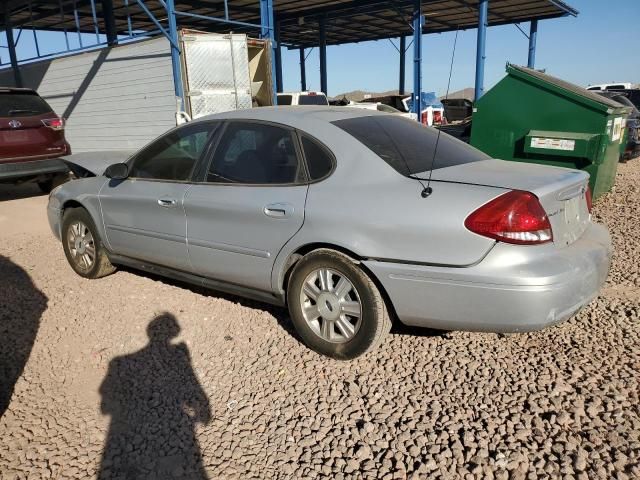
<point>349,217</point>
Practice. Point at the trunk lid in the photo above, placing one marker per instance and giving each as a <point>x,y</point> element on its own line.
<point>561,191</point>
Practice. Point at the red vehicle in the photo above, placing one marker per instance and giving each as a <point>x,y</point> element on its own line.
<point>31,140</point>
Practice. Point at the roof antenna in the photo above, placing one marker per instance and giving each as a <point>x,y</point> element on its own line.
<point>428,190</point>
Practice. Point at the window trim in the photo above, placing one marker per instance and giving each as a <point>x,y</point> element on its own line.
<point>296,145</point>
<point>322,145</point>
<point>194,169</point>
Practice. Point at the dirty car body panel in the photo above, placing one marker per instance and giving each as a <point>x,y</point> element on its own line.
<point>247,233</point>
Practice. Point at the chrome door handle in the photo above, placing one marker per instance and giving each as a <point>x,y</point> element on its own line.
<point>278,210</point>
<point>167,202</point>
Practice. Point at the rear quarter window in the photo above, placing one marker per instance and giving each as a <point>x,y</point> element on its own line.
<point>312,100</point>
<point>14,104</point>
<point>407,145</point>
<point>319,159</point>
<point>284,99</point>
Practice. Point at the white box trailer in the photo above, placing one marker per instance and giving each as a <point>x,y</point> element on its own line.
<point>121,98</point>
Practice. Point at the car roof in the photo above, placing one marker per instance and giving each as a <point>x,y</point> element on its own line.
<point>293,115</point>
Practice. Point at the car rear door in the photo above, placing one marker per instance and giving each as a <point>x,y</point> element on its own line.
<point>29,129</point>
<point>144,215</point>
<point>249,204</point>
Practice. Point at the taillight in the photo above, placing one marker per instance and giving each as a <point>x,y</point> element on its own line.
<point>437,117</point>
<point>587,197</point>
<point>424,118</point>
<point>54,123</point>
<point>514,217</point>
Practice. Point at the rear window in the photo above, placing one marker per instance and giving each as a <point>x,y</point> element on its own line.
<point>312,100</point>
<point>407,145</point>
<point>284,99</point>
<point>14,104</point>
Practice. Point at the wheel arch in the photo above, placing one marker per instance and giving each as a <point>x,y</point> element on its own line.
<point>301,251</point>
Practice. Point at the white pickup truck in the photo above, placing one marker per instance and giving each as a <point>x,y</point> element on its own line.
<point>302,98</point>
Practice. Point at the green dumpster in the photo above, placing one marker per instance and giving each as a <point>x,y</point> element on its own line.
<point>533,117</point>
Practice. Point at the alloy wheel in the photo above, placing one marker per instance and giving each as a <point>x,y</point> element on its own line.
<point>81,245</point>
<point>331,305</point>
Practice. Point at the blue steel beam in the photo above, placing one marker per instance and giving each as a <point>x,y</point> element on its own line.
<point>267,33</point>
<point>533,37</point>
<point>278,59</point>
<point>323,55</point>
<point>417,56</point>
<point>8,29</point>
<point>175,51</point>
<point>172,39</point>
<point>402,50</point>
<point>303,72</point>
<point>483,11</point>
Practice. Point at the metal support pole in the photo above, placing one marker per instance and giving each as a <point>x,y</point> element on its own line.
<point>17,77</point>
<point>278,59</point>
<point>303,73</point>
<point>323,55</point>
<point>533,37</point>
<point>175,52</point>
<point>267,32</point>
<point>403,47</point>
<point>109,22</point>
<point>417,20</point>
<point>483,10</point>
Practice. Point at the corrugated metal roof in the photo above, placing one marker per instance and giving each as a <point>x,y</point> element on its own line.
<point>346,21</point>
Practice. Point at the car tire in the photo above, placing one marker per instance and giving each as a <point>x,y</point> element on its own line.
<point>335,307</point>
<point>82,245</point>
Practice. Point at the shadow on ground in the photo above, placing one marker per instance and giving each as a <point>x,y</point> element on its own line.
<point>281,314</point>
<point>155,400</point>
<point>21,307</point>
<point>16,192</point>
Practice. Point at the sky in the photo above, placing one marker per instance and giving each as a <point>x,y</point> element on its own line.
<point>601,45</point>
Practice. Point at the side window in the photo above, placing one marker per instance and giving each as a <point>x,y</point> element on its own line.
<point>173,156</point>
<point>284,99</point>
<point>255,153</point>
<point>319,160</point>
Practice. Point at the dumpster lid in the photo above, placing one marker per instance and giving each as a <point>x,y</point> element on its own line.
<point>576,92</point>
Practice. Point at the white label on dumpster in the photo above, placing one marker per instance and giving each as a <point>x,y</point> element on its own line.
<point>553,143</point>
<point>617,129</point>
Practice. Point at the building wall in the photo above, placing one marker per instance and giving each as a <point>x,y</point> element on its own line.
<point>113,99</point>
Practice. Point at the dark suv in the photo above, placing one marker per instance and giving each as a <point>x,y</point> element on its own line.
<point>31,140</point>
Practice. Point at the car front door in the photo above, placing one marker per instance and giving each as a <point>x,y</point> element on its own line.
<point>144,214</point>
<point>249,204</point>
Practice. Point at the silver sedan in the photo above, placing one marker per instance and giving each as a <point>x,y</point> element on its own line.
<point>351,218</point>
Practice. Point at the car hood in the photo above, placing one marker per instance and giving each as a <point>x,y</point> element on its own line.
<point>89,164</point>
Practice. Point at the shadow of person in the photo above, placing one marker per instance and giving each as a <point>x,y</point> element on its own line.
<point>154,400</point>
<point>21,307</point>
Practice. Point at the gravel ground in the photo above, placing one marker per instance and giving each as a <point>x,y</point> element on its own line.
<point>136,377</point>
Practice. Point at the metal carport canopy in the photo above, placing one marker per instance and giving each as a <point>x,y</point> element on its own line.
<point>291,23</point>
<point>346,21</point>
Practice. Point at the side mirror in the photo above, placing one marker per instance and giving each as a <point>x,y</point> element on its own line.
<point>117,171</point>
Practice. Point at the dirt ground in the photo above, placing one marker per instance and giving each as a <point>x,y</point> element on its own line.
<point>132,377</point>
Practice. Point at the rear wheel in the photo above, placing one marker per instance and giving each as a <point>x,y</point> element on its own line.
<point>336,308</point>
<point>82,245</point>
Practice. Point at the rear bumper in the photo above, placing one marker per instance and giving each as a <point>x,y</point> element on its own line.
<point>16,170</point>
<point>513,289</point>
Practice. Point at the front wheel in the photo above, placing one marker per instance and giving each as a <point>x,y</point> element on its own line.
<point>82,245</point>
<point>335,307</point>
